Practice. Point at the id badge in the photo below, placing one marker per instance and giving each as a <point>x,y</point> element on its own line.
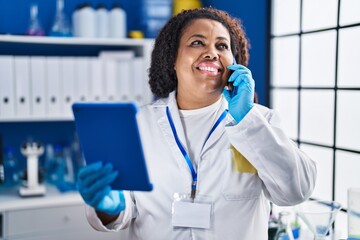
<point>189,213</point>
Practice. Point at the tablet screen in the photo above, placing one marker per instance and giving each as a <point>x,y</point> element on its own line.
<point>108,132</point>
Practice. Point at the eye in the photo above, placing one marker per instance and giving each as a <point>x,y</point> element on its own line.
<point>197,43</point>
<point>223,46</point>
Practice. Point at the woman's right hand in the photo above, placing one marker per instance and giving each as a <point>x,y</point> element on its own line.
<point>93,183</point>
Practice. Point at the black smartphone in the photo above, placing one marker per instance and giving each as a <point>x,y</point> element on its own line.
<point>230,85</point>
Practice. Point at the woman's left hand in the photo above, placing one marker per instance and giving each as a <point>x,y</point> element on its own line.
<point>241,97</point>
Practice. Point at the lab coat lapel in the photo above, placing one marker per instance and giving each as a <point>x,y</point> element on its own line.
<point>168,134</point>
<point>220,130</point>
<point>215,136</point>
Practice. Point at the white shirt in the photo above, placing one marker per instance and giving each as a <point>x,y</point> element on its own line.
<point>284,175</point>
<point>197,124</point>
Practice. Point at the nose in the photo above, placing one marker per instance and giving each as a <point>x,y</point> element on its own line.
<point>211,54</point>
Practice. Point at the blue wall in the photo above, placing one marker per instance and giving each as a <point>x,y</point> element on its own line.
<point>254,16</point>
<point>15,14</point>
<point>14,19</point>
<point>15,134</point>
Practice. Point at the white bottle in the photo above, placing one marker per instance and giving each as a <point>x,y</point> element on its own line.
<point>102,21</point>
<point>84,22</point>
<point>117,22</point>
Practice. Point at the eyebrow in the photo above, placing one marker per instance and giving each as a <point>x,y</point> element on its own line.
<point>203,37</point>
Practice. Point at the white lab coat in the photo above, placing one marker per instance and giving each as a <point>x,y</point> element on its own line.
<point>285,176</point>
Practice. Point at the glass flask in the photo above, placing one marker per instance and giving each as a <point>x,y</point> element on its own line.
<point>61,26</point>
<point>284,231</point>
<point>35,28</point>
<point>318,216</point>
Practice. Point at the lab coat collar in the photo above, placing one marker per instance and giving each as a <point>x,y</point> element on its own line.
<point>171,103</point>
<point>163,102</point>
<point>168,134</point>
<point>174,111</point>
<point>220,130</point>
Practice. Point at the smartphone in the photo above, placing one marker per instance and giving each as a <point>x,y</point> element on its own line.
<point>230,85</point>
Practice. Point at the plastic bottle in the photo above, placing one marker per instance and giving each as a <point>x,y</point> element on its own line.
<point>284,231</point>
<point>117,22</point>
<point>61,26</point>
<point>76,155</point>
<point>155,14</point>
<point>84,21</point>
<point>102,21</point>
<point>35,28</point>
<point>50,163</point>
<point>55,167</point>
<point>10,168</point>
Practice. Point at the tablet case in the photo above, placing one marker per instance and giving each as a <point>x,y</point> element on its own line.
<point>108,132</point>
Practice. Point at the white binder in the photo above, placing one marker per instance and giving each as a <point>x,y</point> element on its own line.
<point>37,88</point>
<point>53,86</point>
<point>7,87</point>
<point>125,76</point>
<point>22,86</point>
<point>67,73</point>
<point>117,72</point>
<point>110,83</point>
<point>82,87</point>
<point>96,80</point>
<point>138,83</point>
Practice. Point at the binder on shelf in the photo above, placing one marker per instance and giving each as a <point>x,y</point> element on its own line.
<point>67,73</point>
<point>7,87</point>
<point>96,80</point>
<point>125,75</point>
<point>110,83</point>
<point>53,86</point>
<point>22,86</point>
<point>138,83</point>
<point>117,74</point>
<point>82,86</point>
<point>141,87</point>
<point>37,86</point>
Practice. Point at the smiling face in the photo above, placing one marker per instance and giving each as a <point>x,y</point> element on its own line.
<point>201,64</point>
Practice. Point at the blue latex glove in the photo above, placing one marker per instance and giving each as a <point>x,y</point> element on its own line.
<point>241,97</point>
<point>93,184</point>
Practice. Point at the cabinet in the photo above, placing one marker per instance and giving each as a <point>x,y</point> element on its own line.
<point>56,216</point>
<point>51,223</point>
<point>32,69</point>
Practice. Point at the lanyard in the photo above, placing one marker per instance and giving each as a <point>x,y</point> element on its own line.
<point>183,151</point>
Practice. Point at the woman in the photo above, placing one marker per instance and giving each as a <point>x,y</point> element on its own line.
<point>215,158</point>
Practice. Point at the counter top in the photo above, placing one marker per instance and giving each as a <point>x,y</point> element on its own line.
<point>10,199</point>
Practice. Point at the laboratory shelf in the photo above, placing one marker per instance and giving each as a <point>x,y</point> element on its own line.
<point>56,69</point>
<point>74,40</point>
<point>55,216</point>
<point>36,119</point>
<point>10,200</point>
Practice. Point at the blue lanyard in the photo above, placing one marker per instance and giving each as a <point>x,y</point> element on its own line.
<point>183,151</point>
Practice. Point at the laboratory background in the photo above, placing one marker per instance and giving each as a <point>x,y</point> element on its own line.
<point>304,58</point>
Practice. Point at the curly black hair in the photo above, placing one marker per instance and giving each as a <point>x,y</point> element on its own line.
<point>162,76</point>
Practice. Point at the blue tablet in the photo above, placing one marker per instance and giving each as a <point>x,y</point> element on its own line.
<point>108,132</point>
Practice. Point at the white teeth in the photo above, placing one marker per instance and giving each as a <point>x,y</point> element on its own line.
<point>209,69</point>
